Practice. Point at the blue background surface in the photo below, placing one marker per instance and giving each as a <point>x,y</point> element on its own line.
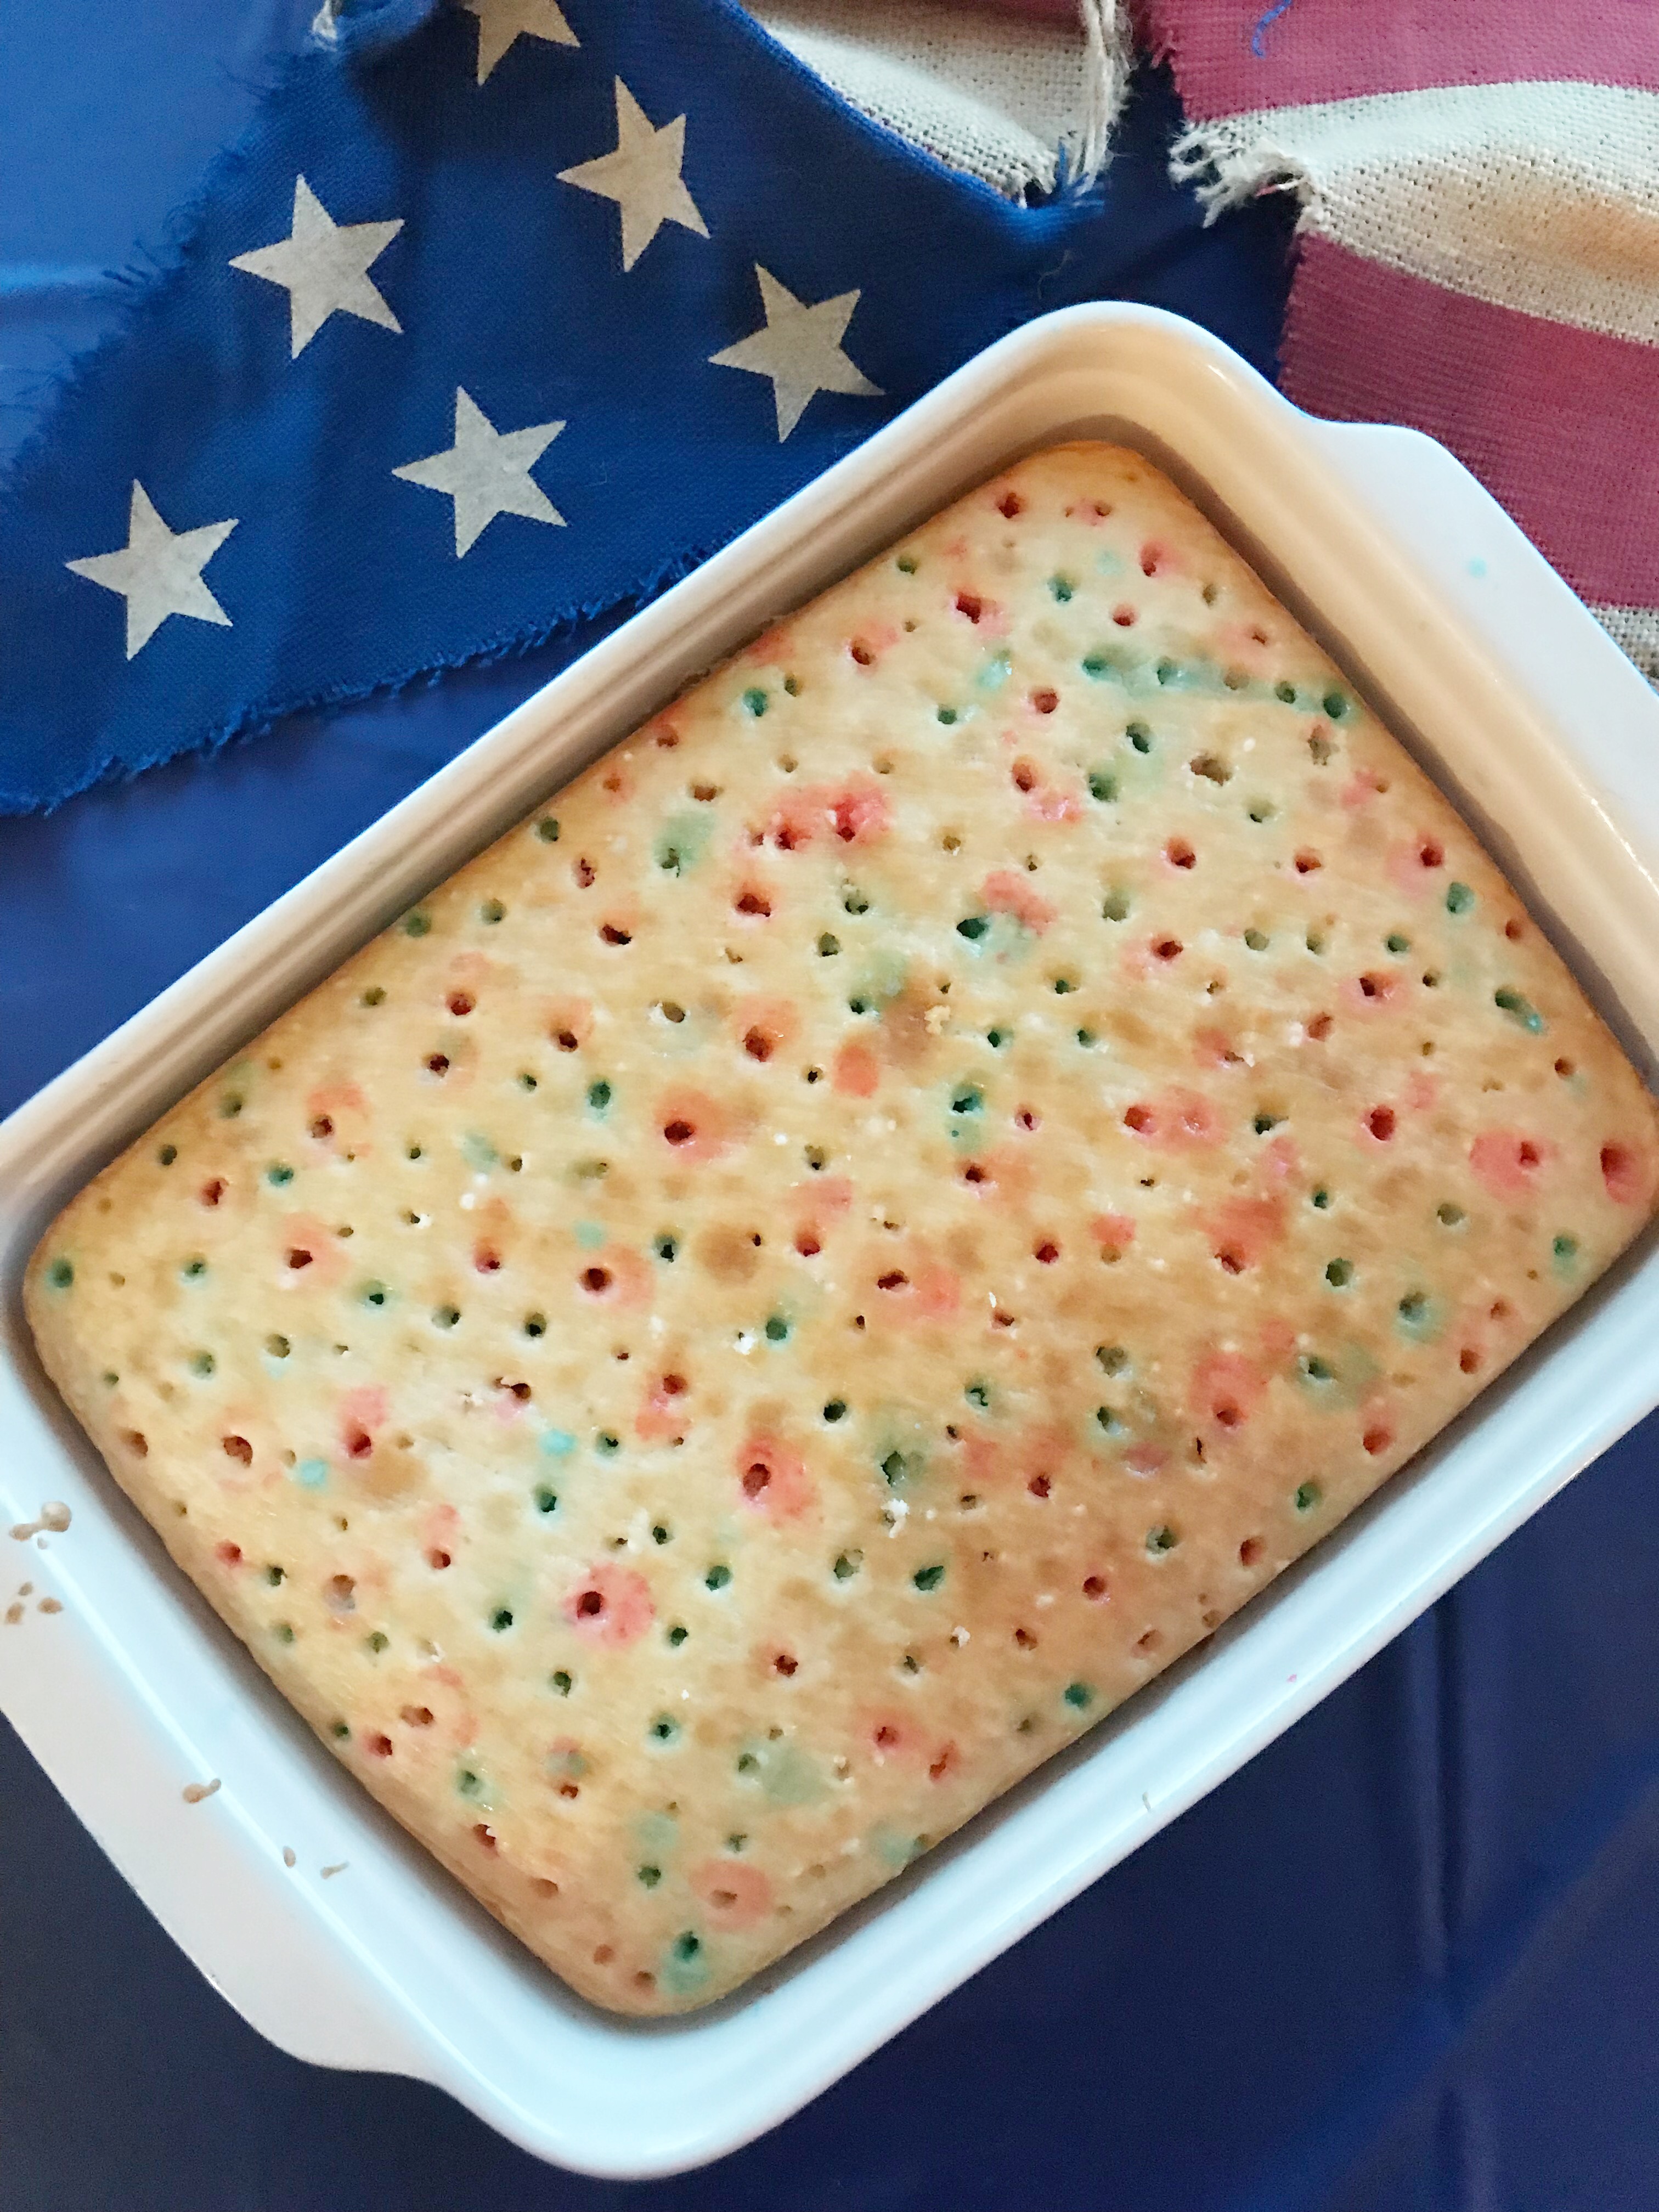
<point>1408,1958</point>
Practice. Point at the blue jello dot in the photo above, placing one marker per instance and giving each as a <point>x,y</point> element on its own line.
<point>312,1474</point>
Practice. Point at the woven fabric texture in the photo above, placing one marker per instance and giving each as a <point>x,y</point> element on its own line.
<point>1479,225</point>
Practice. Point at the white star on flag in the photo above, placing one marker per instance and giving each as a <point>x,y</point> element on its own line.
<point>324,264</point>
<point>501,22</point>
<point>800,349</point>
<point>487,472</point>
<point>642,176</point>
<point>158,571</point>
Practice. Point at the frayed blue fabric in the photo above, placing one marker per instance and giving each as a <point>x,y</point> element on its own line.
<point>140,624</point>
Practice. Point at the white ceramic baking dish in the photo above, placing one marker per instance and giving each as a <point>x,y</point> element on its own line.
<point>1480,657</point>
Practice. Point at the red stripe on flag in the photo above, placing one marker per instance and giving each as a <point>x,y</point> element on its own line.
<point>1232,55</point>
<point>1557,424</point>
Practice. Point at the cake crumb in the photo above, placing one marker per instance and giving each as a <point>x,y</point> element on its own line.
<point>194,1792</point>
<point>53,1517</point>
<point>290,1857</point>
<point>340,1867</point>
<point>50,1605</point>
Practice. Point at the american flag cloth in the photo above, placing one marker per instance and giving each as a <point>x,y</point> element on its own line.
<point>1478,248</point>
<point>501,315</point>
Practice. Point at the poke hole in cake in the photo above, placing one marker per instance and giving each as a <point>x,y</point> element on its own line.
<point>804,1276</point>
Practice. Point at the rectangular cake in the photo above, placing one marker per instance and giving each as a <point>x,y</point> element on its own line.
<point>804,1276</point>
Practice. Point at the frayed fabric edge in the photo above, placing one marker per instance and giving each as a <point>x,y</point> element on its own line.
<point>1233,160</point>
<point>1111,60</point>
<point>257,722</point>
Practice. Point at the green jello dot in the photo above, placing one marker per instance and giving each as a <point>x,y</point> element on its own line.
<point>492,910</point>
<point>973,926</point>
<point>928,1578</point>
<point>279,1173</point>
<point>717,1578</point>
<point>1340,1273</point>
<point>947,716</point>
<point>1459,898</point>
<point>1519,1009</point>
<point>1161,1540</point>
<point>1060,587</point>
<point>1077,1694</point>
<point>777,1328</point>
<point>561,1681</point>
<point>677,1635</point>
<point>416,924</point>
<point>167,1154</point>
<point>60,1274</point>
<point>548,830</point>
<point>1308,1495</point>
<point>754,700</point>
<point>650,1875</point>
<point>377,1641</point>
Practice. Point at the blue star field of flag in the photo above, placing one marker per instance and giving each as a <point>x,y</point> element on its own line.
<point>491,328</point>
